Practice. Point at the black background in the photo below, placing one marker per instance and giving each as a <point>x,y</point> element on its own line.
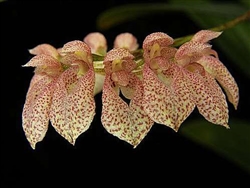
<point>163,158</point>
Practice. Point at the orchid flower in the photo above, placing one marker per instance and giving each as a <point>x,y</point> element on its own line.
<point>124,119</point>
<point>73,106</point>
<point>36,108</point>
<point>129,122</point>
<point>158,83</point>
<point>61,91</point>
<point>178,80</point>
<point>97,43</point>
<point>127,41</point>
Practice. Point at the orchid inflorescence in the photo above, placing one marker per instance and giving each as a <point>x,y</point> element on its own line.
<point>160,83</point>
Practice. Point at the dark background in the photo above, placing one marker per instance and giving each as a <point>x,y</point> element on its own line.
<point>163,158</point>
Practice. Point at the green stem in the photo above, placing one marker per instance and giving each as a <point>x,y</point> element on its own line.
<point>222,27</point>
<point>233,22</point>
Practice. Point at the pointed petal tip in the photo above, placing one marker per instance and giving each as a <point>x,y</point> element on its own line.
<point>30,50</point>
<point>135,146</point>
<point>176,129</point>
<point>225,125</point>
<point>33,146</point>
<point>235,106</point>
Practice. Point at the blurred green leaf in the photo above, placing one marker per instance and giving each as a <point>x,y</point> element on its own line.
<point>233,143</point>
<point>245,2</point>
<point>117,15</point>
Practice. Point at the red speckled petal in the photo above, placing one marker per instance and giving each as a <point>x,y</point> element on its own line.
<point>141,123</point>
<point>127,122</point>
<point>115,113</point>
<point>220,72</point>
<point>42,60</point>
<point>118,53</point>
<point>168,52</point>
<point>190,52</point>
<point>35,79</point>
<point>209,98</point>
<point>73,105</point>
<point>180,94</point>
<point>158,37</point>
<point>204,36</point>
<point>127,91</point>
<point>74,46</point>
<point>46,49</point>
<point>157,100</point>
<point>35,114</point>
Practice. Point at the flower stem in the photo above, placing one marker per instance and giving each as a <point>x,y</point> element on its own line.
<point>233,22</point>
<point>222,27</point>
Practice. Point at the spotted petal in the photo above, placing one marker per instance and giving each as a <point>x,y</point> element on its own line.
<point>115,113</point>
<point>127,122</point>
<point>141,123</point>
<point>73,105</point>
<point>215,67</point>
<point>204,36</point>
<point>45,64</point>
<point>161,39</point>
<point>208,97</point>
<point>79,48</point>
<point>190,52</point>
<point>46,49</point>
<point>35,114</point>
<point>157,100</point>
<point>180,94</point>
<point>42,60</point>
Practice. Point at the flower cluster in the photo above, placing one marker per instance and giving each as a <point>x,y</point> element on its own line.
<point>158,83</point>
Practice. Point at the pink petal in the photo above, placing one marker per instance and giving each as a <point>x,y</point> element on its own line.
<point>97,42</point>
<point>73,105</point>
<point>127,91</point>
<point>42,60</point>
<point>162,39</point>
<point>115,113</point>
<point>157,100</point>
<point>159,63</point>
<point>205,36</point>
<point>141,123</point>
<point>120,77</point>
<point>118,53</point>
<point>118,59</point>
<point>190,52</point>
<point>80,49</point>
<point>168,52</point>
<point>127,122</point>
<point>180,95</point>
<point>215,67</point>
<point>35,114</point>
<point>46,49</point>
<point>127,41</point>
<point>208,97</point>
<point>76,45</point>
